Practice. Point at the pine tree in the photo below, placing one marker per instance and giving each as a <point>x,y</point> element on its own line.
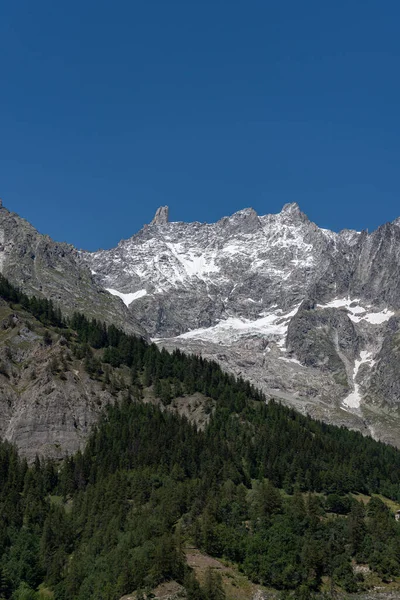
<point>213,586</point>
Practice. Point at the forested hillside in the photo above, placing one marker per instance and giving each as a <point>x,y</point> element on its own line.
<point>276,493</point>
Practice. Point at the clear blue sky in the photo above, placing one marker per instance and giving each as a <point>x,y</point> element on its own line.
<point>110,109</point>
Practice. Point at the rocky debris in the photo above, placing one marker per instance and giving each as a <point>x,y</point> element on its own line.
<point>236,585</point>
<point>170,590</point>
<point>378,593</point>
<point>197,409</point>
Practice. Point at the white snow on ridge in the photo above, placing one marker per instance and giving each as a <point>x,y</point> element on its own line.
<point>128,298</point>
<point>343,303</point>
<point>358,313</point>
<point>353,400</point>
<point>193,264</point>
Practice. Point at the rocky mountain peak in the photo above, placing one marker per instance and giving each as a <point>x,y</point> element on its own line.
<point>161,216</point>
<point>245,213</point>
<point>292,212</point>
<point>245,221</point>
<point>291,208</point>
<point>397,222</point>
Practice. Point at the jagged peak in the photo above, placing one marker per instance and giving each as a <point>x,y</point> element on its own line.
<point>291,208</point>
<point>161,217</point>
<point>245,220</point>
<point>245,212</point>
<point>291,213</point>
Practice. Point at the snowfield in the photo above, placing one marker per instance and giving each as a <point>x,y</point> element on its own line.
<point>359,313</point>
<point>128,298</point>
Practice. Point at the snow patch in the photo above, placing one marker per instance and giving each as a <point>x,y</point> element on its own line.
<point>291,360</point>
<point>359,313</point>
<point>380,317</point>
<point>128,298</point>
<point>353,400</point>
<point>225,332</point>
<point>232,249</point>
<point>192,263</point>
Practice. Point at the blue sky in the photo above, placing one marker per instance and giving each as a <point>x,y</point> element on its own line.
<point>108,110</point>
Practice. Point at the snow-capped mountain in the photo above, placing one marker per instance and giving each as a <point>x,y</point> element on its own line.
<point>307,314</point>
<point>239,267</point>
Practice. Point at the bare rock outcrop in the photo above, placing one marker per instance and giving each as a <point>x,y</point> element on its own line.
<point>161,217</point>
<point>44,268</point>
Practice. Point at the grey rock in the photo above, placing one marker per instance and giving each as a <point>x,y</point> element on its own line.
<point>384,385</point>
<point>42,267</point>
<point>161,216</point>
<point>324,339</point>
<point>48,403</point>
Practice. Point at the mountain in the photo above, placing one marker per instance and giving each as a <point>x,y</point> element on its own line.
<point>57,376</point>
<point>44,268</point>
<point>309,315</point>
<point>148,499</point>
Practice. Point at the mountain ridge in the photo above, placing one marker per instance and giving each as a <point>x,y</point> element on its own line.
<point>45,268</point>
<point>308,315</point>
<point>230,289</point>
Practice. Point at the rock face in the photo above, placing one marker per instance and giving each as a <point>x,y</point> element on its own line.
<point>307,314</point>
<point>324,339</point>
<point>161,216</point>
<point>48,403</point>
<point>42,267</point>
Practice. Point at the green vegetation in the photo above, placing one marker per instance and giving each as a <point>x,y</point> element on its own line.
<point>41,308</point>
<point>272,491</point>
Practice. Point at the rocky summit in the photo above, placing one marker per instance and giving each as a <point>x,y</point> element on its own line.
<point>307,314</point>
